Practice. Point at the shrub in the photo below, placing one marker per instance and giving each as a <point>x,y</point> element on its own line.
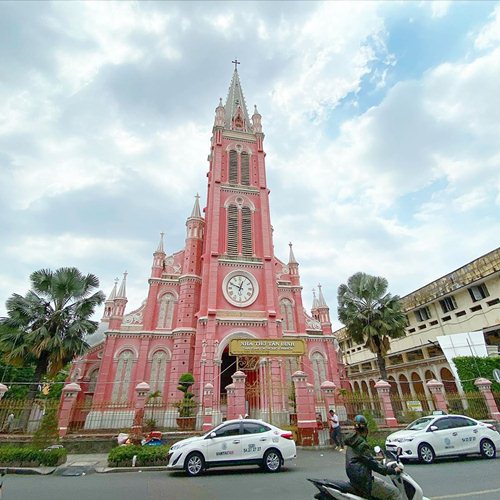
<point>47,433</point>
<point>146,455</point>
<point>28,455</point>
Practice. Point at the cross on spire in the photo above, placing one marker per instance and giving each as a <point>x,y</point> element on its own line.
<point>236,62</point>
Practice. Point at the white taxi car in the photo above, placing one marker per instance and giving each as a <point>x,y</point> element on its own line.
<point>234,442</point>
<point>444,435</point>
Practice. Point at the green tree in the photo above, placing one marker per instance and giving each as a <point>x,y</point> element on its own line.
<point>47,327</point>
<point>371,315</point>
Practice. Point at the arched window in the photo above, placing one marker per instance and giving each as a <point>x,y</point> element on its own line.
<point>245,169</point>
<point>232,230</point>
<point>286,309</point>
<point>233,167</point>
<point>246,232</point>
<point>166,314</point>
<point>158,371</point>
<point>122,377</point>
<point>93,380</point>
<point>319,370</point>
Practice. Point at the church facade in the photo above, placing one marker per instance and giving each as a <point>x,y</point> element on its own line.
<point>226,283</point>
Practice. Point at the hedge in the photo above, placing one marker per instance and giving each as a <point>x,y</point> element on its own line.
<point>28,456</point>
<point>470,368</point>
<point>146,455</point>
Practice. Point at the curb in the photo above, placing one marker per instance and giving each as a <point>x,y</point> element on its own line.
<point>112,470</point>
<point>40,471</point>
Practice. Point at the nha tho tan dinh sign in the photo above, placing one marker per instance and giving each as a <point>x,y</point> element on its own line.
<point>267,347</point>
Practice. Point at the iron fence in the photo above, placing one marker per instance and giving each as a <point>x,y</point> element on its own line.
<point>356,403</point>
<point>24,416</point>
<point>471,404</point>
<point>409,407</point>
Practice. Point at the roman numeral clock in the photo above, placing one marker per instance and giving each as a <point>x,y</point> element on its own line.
<point>240,288</point>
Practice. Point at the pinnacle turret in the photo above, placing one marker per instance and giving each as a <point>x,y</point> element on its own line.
<point>160,244</point>
<point>315,300</point>
<point>122,293</point>
<point>196,208</point>
<point>112,294</point>
<point>321,299</point>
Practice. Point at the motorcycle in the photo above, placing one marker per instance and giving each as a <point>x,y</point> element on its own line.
<point>343,490</point>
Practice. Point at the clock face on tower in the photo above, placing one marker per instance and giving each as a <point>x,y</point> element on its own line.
<point>240,288</point>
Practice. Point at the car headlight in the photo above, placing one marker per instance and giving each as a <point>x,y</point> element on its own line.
<point>178,446</point>
<point>403,440</point>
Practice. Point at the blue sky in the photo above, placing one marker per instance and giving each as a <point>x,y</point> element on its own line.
<point>381,123</point>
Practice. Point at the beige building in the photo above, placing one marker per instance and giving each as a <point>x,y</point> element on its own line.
<point>465,300</point>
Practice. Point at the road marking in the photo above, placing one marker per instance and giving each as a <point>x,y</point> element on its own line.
<point>458,495</point>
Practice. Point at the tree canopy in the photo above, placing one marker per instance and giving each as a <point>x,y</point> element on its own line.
<point>47,327</point>
<point>371,315</point>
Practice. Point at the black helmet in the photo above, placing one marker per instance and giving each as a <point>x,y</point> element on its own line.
<point>360,422</point>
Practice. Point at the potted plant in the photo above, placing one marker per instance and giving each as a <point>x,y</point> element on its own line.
<point>186,406</point>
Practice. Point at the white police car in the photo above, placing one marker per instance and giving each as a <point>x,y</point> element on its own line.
<point>444,435</point>
<point>234,442</point>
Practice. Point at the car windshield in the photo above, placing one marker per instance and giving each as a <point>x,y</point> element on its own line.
<point>419,424</point>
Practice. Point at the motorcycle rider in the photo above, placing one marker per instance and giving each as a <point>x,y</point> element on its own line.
<point>360,462</point>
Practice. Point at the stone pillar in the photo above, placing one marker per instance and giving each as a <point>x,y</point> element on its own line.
<point>239,393</point>
<point>384,392</point>
<point>484,386</point>
<point>141,393</point>
<point>328,389</point>
<point>69,396</point>
<point>230,402</point>
<point>307,431</point>
<point>208,407</point>
<point>3,390</point>
<point>436,389</point>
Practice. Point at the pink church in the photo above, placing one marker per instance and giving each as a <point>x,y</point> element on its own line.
<point>226,283</point>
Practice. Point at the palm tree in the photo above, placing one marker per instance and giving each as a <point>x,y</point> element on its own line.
<point>47,327</point>
<point>371,315</point>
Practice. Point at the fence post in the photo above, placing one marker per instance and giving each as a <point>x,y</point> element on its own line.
<point>384,392</point>
<point>328,390</point>
<point>208,406</point>
<point>239,393</point>
<point>141,393</point>
<point>484,386</point>
<point>231,413</point>
<point>69,397</point>
<point>3,390</point>
<point>436,389</point>
<point>307,432</point>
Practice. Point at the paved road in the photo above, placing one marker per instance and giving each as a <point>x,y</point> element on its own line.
<point>470,479</point>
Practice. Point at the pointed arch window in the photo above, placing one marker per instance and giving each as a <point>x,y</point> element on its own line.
<point>93,380</point>
<point>232,230</point>
<point>319,371</point>
<point>166,314</point>
<point>233,167</point>
<point>158,370</point>
<point>245,169</point>
<point>286,308</point>
<point>123,375</point>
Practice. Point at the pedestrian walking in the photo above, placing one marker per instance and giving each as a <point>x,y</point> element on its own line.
<point>335,430</point>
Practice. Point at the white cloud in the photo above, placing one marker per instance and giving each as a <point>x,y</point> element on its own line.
<point>489,35</point>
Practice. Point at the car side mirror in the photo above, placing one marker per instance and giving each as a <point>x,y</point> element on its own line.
<point>212,435</point>
<point>433,428</point>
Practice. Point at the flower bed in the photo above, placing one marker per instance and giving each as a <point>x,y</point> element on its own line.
<point>146,456</point>
<point>28,456</point>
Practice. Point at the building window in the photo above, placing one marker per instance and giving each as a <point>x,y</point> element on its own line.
<point>423,314</point>
<point>246,232</point>
<point>122,377</point>
<point>448,304</point>
<point>166,314</point>
<point>286,309</point>
<point>158,371</point>
<point>93,380</point>
<point>245,169</point>
<point>233,167</point>
<point>319,370</point>
<point>478,292</point>
<point>232,230</point>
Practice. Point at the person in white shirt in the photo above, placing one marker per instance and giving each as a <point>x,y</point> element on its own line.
<point>335,430</point>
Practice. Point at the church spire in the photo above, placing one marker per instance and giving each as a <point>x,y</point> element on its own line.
<point>112,295</point>
<point>315,300</point>
<point>196,208</point>
<point>160,244</point>
<point>291,258</point>
<point>321,299</point>
<point>236,108</point>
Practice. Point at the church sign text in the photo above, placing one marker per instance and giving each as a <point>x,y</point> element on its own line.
<point>267,347</point>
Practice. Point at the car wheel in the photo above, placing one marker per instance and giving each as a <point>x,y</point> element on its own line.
<point>194,464</point>
<point>487,449</point>
<point>426,453</point>
<point>272,461</point>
